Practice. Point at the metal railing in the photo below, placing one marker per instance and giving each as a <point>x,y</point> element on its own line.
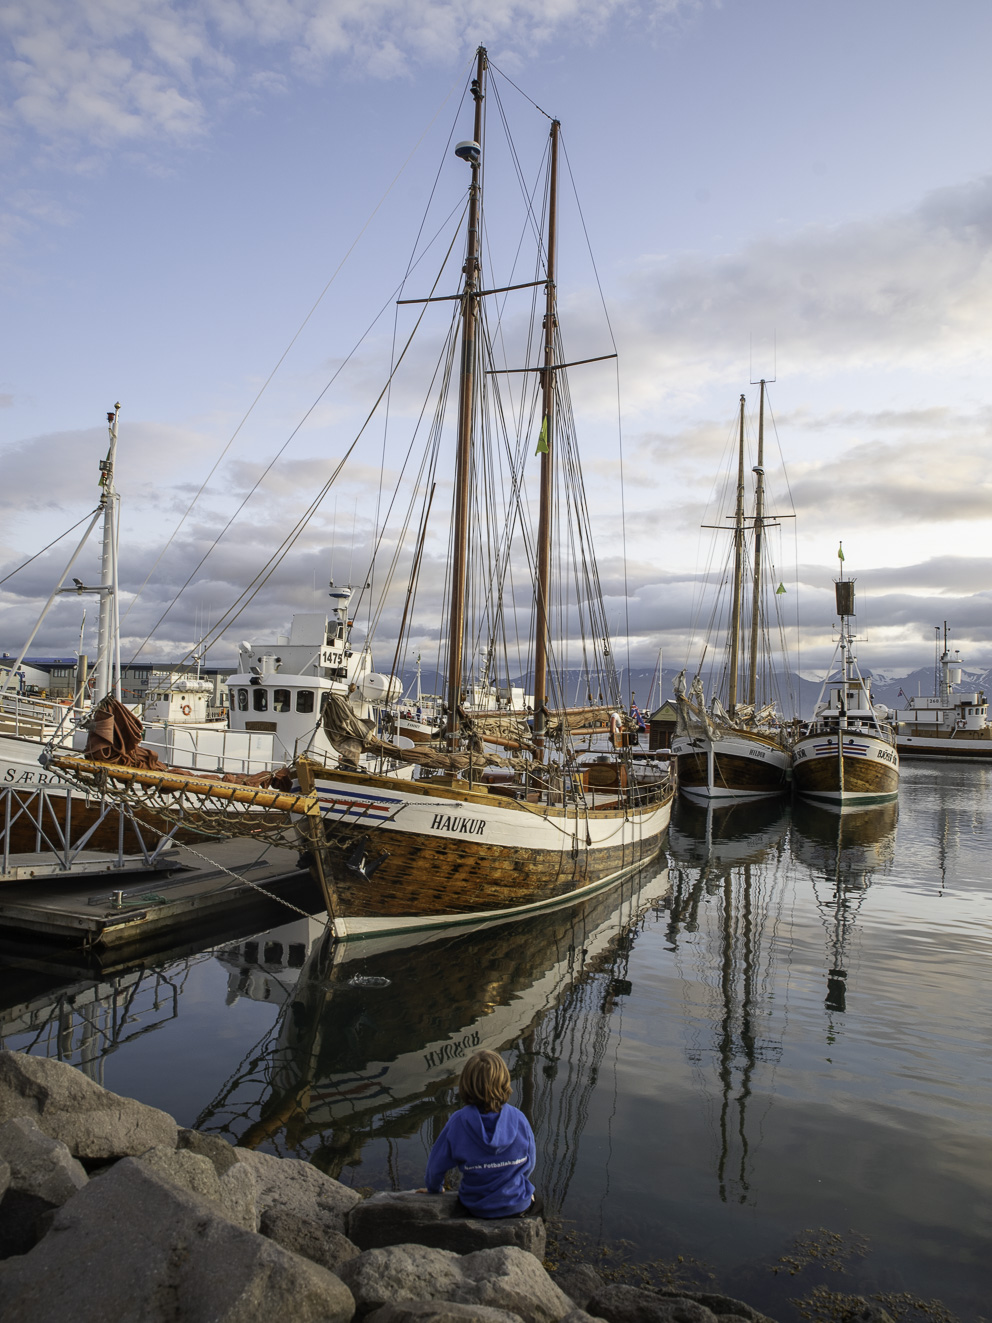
<point>44,815</point>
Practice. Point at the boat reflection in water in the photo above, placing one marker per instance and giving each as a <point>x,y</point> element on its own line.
<point>727,864</point>
<point>372,1034</point>
<point>843,848</point>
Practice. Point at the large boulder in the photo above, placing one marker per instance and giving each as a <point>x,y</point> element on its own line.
<point>39,1165</point>
<point>304,1235</point>
<point>505,1278</point>
<point>93,1123</point>
<point>579,1281</point>
<point>631,1304</point>
<point>133,1246</point>
<point>222,1154</point>
<point>300,1188</point>
<point>234,1193</point>
<point>439,1311</point>
<point>410,1218</point>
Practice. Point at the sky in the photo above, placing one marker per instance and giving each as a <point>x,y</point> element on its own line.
<point>207,206</point>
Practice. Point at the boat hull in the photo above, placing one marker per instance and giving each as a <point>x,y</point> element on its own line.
<point>406,851</point>
<point>731,767</point>
<point>865,771</point>
<point>960,748</point>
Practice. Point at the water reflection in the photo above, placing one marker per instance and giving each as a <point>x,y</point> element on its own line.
<point>371,1034</point>
<point>843,848</point>
<point>731,854</point>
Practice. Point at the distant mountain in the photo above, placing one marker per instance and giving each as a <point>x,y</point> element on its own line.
<point>642,683</point>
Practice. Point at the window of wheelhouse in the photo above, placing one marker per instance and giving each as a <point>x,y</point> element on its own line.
<point>280,700</point>
<point>260,699</point>
<point>304,700</point>
<point>242,700</point>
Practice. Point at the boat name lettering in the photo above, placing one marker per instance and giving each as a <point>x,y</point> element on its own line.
<point>451,1051</point>
<point>886,755</point>
<point>30,778</point>
<point>800,753</point>
<point>756,753</point>
<point>469,826</point>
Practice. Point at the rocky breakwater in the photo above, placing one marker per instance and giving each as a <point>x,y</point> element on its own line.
<point>109,1211</point>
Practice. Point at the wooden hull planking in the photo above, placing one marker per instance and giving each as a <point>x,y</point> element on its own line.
<point>454,852</point>
<point>867,772</point>
<point>731,767</point>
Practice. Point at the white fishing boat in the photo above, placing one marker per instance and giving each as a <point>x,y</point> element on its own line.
<point>952,724</point>
<point>847,754</point>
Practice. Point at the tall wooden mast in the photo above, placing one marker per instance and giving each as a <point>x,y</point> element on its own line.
<point>759,515</point>
<point>735,614</point>
<point>544,527</point>
<point>466,415</point>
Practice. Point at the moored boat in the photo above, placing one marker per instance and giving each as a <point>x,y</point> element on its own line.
<point>483,832</point>
<point>848,753</point>
<point>951,724</point>
<point>740,749</point>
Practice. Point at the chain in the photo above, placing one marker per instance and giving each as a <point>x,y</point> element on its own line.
<point>254,885</point>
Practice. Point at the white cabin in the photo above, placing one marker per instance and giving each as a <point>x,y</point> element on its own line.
<point>276,700</point>
<point>177,699</point>
<point>947,711</point>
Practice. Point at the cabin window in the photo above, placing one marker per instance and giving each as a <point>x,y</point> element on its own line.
<point>280,700</point>
<point>304,700</point>
<point>261,699</point>
<point>242,700</point>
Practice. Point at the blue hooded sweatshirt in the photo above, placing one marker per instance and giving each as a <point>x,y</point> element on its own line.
<point>495,1153</point>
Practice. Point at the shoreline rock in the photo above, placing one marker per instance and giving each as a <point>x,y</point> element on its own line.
<point>110,1212</point>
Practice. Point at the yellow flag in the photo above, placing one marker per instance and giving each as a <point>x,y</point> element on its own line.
<point>840,552</point>
<point>542,440</point>
<point>780,589</point>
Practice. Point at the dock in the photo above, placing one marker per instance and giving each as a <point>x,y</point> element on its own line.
<point>102,906</point>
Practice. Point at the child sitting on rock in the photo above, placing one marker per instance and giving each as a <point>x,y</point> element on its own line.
<point>491,1144</point>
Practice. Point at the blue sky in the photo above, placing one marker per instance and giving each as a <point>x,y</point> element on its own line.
<point>181,182</point>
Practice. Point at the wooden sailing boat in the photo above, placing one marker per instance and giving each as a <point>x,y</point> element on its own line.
<point>478,833</point>
<point>847,754</point>
<point>737,751</point>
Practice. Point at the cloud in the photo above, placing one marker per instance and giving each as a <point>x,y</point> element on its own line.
<point>899,290</point>
<point>111,72</point>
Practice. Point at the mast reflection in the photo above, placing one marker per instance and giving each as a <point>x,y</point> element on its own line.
<point>730,855</point>
<point>843,848</point>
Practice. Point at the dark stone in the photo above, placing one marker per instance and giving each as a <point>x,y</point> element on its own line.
<point>22,1222</point>
<point>579,1281</point>
<point>307,1236</point>
<point>431,1219</point>
<point>218,1150</point>
<point>133,1246</point>
<point>439,1311</point>
<point>630,1304</point>
<point>723,1306</point>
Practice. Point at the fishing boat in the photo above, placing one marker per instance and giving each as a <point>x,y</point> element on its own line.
<point>738,748</point>
<point>509,819</point>
<point>952,724</point>
<point>848,754</point>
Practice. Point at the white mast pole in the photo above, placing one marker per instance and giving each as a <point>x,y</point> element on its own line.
<point>108,674</point>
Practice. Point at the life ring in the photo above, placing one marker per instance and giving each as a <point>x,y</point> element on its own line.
<point>186,709</point>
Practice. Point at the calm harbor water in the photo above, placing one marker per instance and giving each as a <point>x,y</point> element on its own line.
<point>770,1057</point>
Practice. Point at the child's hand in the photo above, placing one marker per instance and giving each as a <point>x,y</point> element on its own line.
<point>423,1190</point>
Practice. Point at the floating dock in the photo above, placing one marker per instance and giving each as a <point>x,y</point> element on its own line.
<point>101,906</point>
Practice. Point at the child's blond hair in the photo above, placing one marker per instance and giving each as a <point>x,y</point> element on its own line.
<point>485,1082</point>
